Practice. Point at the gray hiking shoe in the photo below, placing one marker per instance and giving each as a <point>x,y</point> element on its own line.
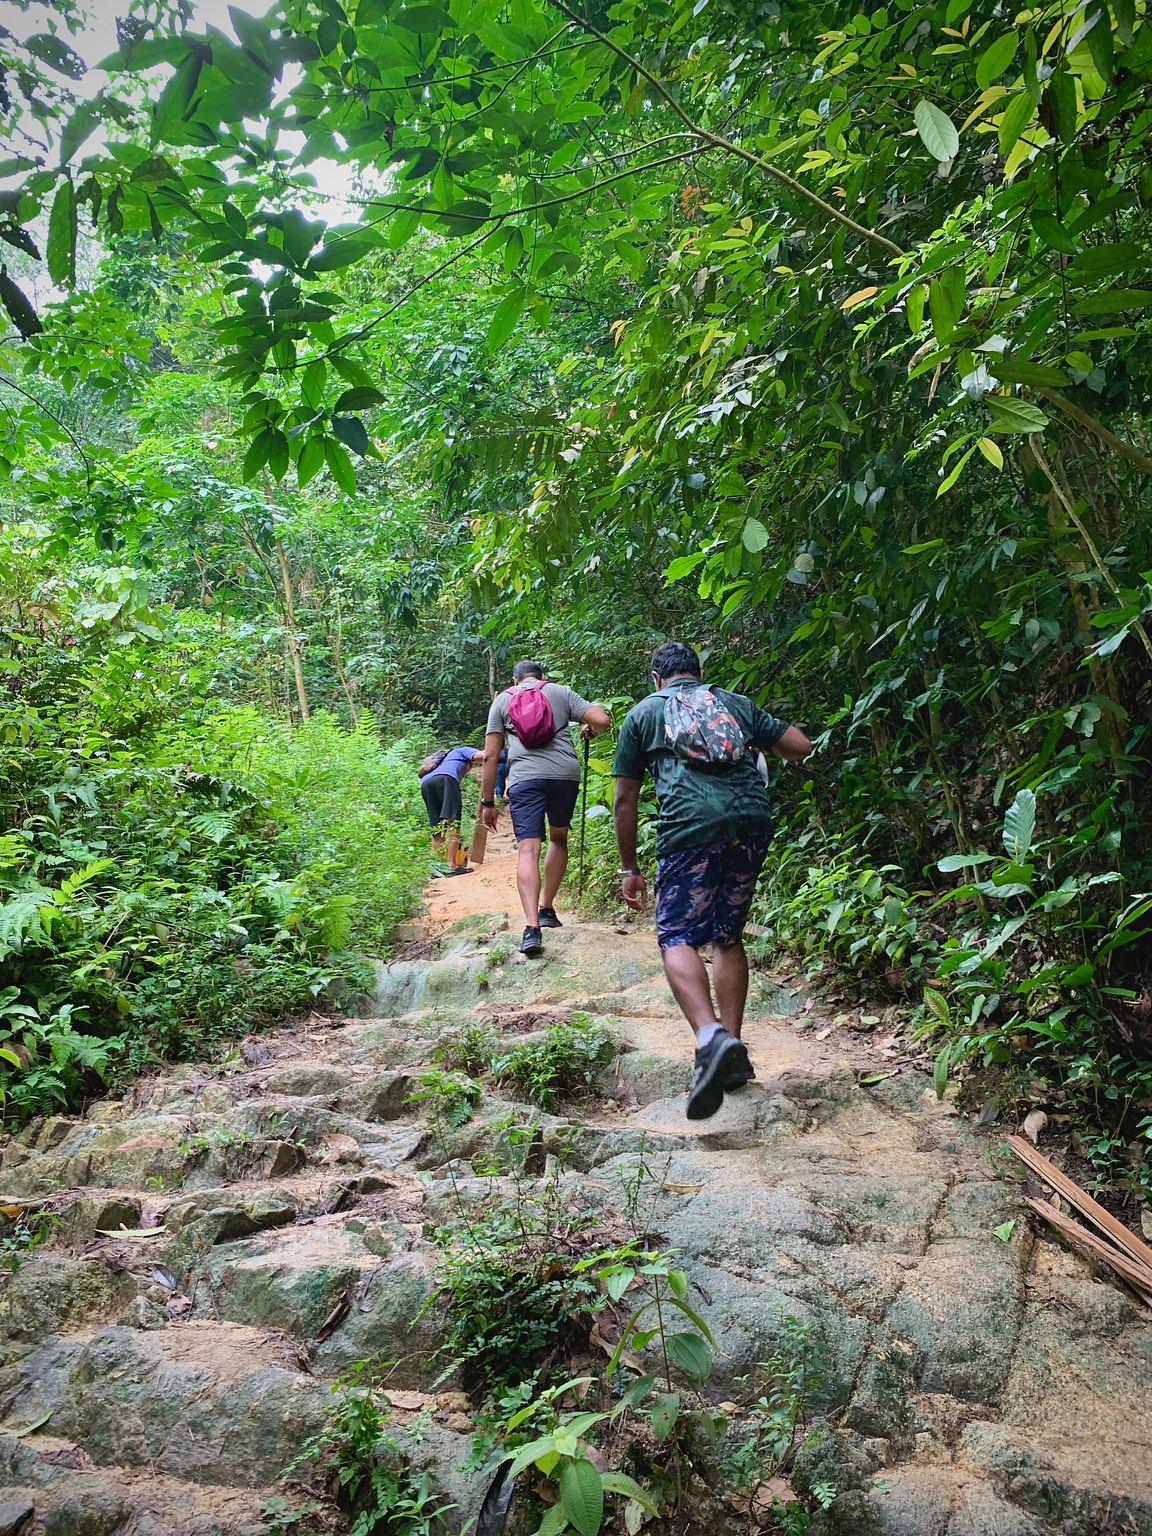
<point>548,918</point>
<point>716,1064</point>
<point>531,943</point>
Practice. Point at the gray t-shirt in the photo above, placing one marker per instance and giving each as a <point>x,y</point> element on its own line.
<point>558,759</point>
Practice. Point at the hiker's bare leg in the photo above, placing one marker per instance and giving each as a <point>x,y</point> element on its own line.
<point>555,864</point>
<point>438,836</point>
<point>452,847</point>
<point>528,878</point>
<point>689,982</point>
<point>730,978</point>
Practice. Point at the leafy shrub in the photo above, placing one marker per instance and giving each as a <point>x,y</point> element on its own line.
<point>375,1482</point>
<point>560,1063</point>
<point>450,1096</point>
<point>174,869</point>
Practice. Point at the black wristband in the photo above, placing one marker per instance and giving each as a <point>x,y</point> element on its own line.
<point>489,805</point>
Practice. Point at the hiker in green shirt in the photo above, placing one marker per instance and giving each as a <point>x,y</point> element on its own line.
<point>700,745</point>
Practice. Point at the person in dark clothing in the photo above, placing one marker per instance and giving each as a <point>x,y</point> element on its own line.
<point>443,800</point>
<point>502,773</point>
<point>700,745</point>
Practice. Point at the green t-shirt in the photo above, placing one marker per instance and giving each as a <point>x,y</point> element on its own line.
<point>697,806</point>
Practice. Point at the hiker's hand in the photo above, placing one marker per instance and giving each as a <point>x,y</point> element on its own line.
<point>586,733</point>
<point>634,889</point>
<point>489,815</point>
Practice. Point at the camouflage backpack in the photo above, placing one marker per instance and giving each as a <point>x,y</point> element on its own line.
<point>702,731</point>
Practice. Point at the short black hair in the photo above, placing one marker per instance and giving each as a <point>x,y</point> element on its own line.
<point>673,658</point>
<point>524,669</point>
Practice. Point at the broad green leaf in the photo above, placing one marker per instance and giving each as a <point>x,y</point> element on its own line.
<point>1107,303</point>
<point>991,452</point>
<point>618,1283</point>
<point>996,58</point>
<point>340,465</point>
<point>636,1393</point>
<point>311,459</point>
<point>954,861</point>
<point>1053,234</point>
<point>1010,371</point>
<point>1017,114</point>
<point>352,433</point>
<point>690,1353</point>
<point>914,305</point>
<point>60,252</point>
<point>937,1006</point>
<point>527,1454</point>
<point>755,535</point>
<point>957,469</point>
<point>682,566</point>
<point>80,126</point>
<point>1004,1232</point>
<point>662,1413</point>
<point>553,1522</point>
<point>257,455</point>
<point>357,399</point>
<point>1099,40</point>
<point>619,1482</point>
<point>1012,415</point>
<point>278,456</point>
<point>940,1071</point>
<point>424,18</point>
<point>508,312</point>
<point>1019,824</point>
<point>1081,361</point>
<point>582,1496</point>
<point>678,1283</point>
<point>9,1056</point>
<point>937,130</point>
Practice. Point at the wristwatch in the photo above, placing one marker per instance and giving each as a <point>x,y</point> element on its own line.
<point>623,872</point>
<point>489,805</point>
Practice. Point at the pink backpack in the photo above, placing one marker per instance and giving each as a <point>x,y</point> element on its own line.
<point>530,714</point>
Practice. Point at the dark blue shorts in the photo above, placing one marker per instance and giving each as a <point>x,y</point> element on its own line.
<point>703,894</point>
<point>531,800</point>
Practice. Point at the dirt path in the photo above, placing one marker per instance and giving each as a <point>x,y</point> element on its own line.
<point>231,1237</point>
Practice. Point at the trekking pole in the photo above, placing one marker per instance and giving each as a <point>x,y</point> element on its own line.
<point>583,819</point>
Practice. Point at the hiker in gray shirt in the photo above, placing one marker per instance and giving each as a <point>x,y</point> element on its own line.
<point>533,718</point>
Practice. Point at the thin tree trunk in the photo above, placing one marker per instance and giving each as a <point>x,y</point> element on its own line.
<point>339,668</point>
<point>293,642</point>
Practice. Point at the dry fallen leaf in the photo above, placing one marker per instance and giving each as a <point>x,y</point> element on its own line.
<point>1034,1124</point>
<point>676,1188</point>
<point>1054,1201</point>
<point>406,1402</point>
<point>1146,1222</point>
<point>822,1034</point>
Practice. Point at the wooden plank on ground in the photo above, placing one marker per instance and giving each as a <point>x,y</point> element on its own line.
<point>1137,1275</point>
<point>1115,1230</point>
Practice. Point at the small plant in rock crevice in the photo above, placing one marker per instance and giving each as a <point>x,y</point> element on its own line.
<point>559,1063</point>
<point>23,1233</point>
<point>451,1097</point>
<point>781,1392</point>
<point>369,1476</point>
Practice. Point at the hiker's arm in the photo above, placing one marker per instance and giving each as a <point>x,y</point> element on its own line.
<point>625,810</point>
<point>493,746</point>
<point>594,721</point>
<point>793,746</point>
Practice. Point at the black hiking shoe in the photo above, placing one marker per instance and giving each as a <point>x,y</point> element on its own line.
<point>548,918</point>
<point>530,944</point>
<point>716,1065</point>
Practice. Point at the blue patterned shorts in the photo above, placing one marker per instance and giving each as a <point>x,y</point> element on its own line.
<point>703,894</point>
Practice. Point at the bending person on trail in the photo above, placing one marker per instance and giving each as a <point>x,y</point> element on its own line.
<point>532,719</point>
<point>440,778</point>
<point>700,745</point>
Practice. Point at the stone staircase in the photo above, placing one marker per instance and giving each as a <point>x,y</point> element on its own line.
<point>230,1238</point>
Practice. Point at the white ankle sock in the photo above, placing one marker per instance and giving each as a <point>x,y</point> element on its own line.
<point>707,1033</point>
